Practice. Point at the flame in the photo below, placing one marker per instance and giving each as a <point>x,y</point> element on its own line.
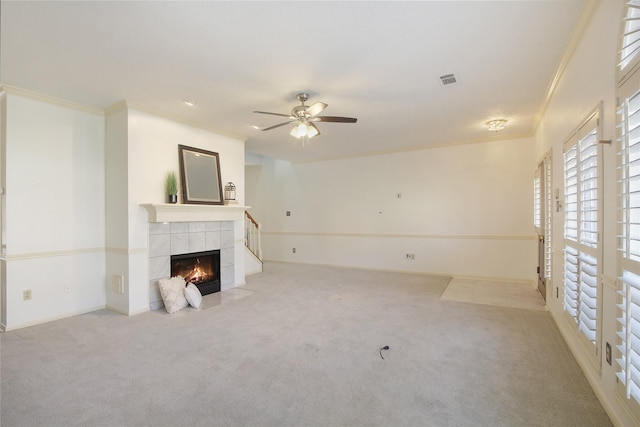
<point>197,274</point>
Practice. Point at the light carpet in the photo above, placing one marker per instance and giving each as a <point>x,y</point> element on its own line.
<point>494,292</point>
<point>299,345</point>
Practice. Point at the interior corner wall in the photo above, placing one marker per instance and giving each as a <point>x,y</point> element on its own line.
<point>462,210</point>
<point>54,211</point>
<point>117,225</point>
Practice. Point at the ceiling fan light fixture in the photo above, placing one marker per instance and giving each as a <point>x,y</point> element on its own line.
<point>299,130</point>
<point>312,130</point>
<point>304,129</point>
<point>303,117</point>
<point>496,125</point>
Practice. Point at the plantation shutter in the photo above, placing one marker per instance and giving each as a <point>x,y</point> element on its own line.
<point>629,334</point>
<point>629,245</point>
<point>630,46</point>
<point>581,228</point>
<point>548,210</point>
<point>537,202</point>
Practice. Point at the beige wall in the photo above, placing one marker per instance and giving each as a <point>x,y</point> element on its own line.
<point>464,210</point>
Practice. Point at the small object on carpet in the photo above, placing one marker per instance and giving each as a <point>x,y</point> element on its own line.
<point>386,347</point>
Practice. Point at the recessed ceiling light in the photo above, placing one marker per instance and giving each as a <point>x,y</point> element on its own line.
<point>496,125</point>
<point>190,103</point>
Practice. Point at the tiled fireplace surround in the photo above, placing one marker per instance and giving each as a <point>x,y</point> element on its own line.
<point>173,238</point>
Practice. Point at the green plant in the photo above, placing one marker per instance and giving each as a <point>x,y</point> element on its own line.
<point>172,183</point>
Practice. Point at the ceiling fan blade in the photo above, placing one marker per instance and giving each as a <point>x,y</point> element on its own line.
<point>335,119</point>
<point>274,114</point>
<point>278,125</point>
<point>316,108</point>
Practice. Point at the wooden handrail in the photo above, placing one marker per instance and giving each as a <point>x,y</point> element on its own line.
<point>252,235</point>
<point>252,220</point>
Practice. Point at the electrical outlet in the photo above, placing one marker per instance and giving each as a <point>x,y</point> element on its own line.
<point>67,288</point>
<point>410,256</point>
<point>294,250</point>
<point>399,195</point>
<point>288,213</point>
<point>26,295</point>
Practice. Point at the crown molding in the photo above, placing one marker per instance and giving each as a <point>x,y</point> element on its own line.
<point>576,37</point>
<point>132,105</point>
<point>36,96</point>
<point>515,137</point>
<point>119,106</point>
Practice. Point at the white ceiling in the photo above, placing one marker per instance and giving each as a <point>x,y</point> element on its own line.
<point>377,61</point>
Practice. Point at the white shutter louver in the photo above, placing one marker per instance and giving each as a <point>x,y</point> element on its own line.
<point>631,37</point>
<point>537,203</point>
<point>581,228</point>
<point>548,250</point>
<point>629,245</point>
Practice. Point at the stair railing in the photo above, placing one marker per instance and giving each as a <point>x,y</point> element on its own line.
<point>252,235</point>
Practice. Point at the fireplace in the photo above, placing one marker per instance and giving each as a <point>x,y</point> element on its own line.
<point>200,268</point>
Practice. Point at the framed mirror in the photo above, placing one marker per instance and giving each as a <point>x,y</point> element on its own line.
<point>200,173</point>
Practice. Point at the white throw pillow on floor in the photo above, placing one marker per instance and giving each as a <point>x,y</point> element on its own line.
<point>172,292</point>
<point>193,295</point>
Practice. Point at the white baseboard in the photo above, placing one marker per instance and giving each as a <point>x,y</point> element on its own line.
<point>52,318</point>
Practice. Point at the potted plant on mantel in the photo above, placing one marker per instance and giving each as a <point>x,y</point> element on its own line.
<point>172,187</point>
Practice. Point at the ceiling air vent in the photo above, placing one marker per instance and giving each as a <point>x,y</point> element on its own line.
<point>447,79</point>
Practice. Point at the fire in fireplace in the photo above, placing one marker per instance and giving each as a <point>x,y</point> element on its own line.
<point>200,268</point>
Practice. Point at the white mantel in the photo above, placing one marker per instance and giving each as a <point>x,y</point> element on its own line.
<point>166,212</point>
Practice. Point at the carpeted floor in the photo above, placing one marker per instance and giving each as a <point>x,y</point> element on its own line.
<point>300,346</point>
<point>494,292</point>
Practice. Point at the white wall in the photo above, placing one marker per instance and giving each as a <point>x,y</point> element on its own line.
<point>54,210</point>
<point>588,80</point>
<point>144,147</point>
<point>71,214</point>
<point>464,210</point>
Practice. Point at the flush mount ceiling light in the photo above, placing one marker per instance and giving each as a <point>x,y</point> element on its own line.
<point>303,117</point>
<point>190,103</point>
<point>496,125</point>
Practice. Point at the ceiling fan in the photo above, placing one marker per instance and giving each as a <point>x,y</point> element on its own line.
<point>304,117</point>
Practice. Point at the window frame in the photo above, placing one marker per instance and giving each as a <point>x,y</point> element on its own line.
<point>578,250</point>
<point>626,91</point>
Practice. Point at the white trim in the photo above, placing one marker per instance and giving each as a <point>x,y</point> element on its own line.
<point>576,37</point>
<point>126,313</point>
<point>488,139</point>
<point>166,212</point>
<point>126,251</point>
<point>48,254</point>
<point>53,318</point>
<point>570,337</point>
<point>25,93</point>
<point>129,105</point>
<point>401,236</point>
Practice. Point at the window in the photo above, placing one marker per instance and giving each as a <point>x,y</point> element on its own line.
<point>542,213</point>
<point>581,228</point>
<point>548,212</point>
<point>629,245</point>
<point>630,43</point>
<point>537,203</point>
<point>628,216</point>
